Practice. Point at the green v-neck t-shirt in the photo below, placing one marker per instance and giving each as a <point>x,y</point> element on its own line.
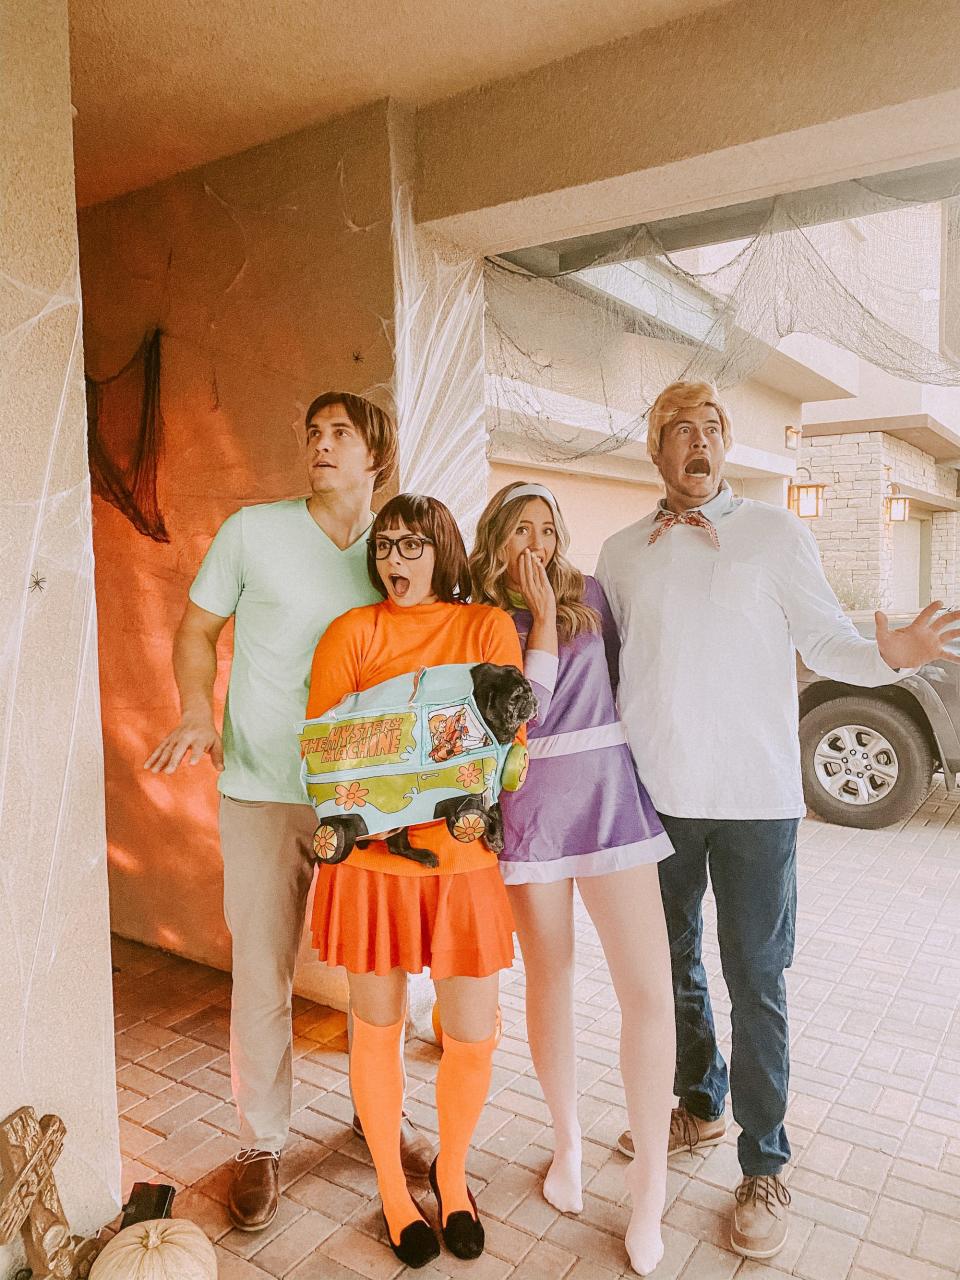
<point>274,569</point>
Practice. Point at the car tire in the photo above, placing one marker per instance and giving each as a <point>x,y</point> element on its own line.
<point>913,766</point>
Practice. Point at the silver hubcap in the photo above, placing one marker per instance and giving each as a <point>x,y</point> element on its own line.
<point>856,764</point>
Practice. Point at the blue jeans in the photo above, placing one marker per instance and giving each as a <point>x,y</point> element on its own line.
<point>753,870</point>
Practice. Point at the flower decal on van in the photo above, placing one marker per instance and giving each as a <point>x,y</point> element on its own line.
<point>325,842</point>
<point>468,775</point>
<point>468,827</point>
<point>352,796</point>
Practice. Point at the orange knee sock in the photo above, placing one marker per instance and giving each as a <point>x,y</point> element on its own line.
<point>376,1078</point>
<point>463,1079</point>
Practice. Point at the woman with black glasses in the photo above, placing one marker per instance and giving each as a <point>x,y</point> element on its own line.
<point>382,916</point>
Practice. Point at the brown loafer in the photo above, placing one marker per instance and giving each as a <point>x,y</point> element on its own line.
<point>416,1151</point>
<point>254,1195</point>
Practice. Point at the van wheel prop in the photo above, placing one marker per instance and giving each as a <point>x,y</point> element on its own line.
<point>469,825</point>
<point>330,843</point>
<point>515,768</point>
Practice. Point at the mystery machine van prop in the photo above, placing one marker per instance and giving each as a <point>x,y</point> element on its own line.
<point>409,750</point>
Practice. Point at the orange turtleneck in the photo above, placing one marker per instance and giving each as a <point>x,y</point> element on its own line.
<point>366,646</point>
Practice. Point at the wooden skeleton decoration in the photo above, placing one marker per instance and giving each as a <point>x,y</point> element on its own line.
<point>30,1202</point>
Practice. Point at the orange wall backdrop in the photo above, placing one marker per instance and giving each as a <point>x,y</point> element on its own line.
<point>271,276</point>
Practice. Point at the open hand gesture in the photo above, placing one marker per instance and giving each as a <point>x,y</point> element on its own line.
<point>536,588</point>
<point>925,639</point>
<point>194,734</point>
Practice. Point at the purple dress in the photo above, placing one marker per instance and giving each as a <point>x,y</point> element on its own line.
<point>582,810</point>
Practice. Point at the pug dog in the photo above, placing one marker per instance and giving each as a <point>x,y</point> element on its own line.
<point>504,698</point>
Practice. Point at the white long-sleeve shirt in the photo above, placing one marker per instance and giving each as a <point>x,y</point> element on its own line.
<point>708,684</point>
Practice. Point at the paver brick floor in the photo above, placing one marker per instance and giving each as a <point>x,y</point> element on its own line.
<point>873,1115</point>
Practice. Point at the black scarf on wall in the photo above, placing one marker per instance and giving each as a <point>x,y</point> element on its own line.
<point>124,437</point>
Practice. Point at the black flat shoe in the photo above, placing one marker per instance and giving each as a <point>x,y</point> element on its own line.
<point>418,1243</point>
<point>463,1234</point>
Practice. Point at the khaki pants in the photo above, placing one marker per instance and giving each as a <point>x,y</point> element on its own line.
<point>266,878</point>
<point>267,874</point>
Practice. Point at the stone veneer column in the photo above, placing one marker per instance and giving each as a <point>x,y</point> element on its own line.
<point>945,557</point>
<point>906,464</point>
<point>853,538</point>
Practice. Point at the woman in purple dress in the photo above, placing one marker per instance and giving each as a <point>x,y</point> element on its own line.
<point>581,815</point>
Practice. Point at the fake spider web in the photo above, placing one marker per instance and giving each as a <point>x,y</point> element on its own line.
<point>575,357</point>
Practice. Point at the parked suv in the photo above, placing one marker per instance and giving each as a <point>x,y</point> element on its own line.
<point>869,755</point>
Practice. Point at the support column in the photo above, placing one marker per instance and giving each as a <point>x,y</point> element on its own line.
<point>56,1051</point>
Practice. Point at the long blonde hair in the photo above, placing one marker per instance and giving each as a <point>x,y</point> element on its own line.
<point>488,564</point>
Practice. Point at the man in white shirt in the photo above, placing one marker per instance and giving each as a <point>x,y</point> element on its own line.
<point>284,570</point>
<point>712,594</point>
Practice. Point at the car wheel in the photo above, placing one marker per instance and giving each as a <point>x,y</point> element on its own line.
<point>865,763</point>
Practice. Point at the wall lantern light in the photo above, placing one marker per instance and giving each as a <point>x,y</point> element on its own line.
<point>806,500</point>
<point>792,437</point>
<point>898,508</point>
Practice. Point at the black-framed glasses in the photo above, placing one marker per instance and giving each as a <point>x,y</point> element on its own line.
<point>410,546</point>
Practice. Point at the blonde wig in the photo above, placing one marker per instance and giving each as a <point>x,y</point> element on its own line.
<point>671,402</point>
<point>488,562</point>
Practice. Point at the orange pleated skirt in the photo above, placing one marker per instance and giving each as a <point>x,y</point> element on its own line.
<point>458,925</point>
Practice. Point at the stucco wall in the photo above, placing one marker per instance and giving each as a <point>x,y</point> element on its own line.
<point>553,340</point>
<point>759,415</point>
<point>56,1050</point>
<point>271,275</point>
<point>539,331</point>
<point>731,75</point>
<point>594,507</point>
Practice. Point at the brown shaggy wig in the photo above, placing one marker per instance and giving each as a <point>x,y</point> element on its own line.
<point>377,429</point>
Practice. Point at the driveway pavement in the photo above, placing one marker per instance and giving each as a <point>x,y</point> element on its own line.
<point>873,1118</point>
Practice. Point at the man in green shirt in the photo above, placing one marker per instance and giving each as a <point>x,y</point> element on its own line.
<point>283,571</point>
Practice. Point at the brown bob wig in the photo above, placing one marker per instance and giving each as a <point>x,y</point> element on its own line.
<point>377,429</point>
<point>431,519</point>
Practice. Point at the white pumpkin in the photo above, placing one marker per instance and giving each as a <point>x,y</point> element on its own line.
<point>164,1249</point>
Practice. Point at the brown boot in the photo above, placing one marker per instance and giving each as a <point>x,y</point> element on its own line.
<point>687,1133</point>
<point>254,1195</point>
<point>416,1151</point>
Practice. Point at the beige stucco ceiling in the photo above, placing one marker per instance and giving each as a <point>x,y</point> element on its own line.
<point>162,85</point>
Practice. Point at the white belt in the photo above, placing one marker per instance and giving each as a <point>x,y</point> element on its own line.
<point>567,744</point>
